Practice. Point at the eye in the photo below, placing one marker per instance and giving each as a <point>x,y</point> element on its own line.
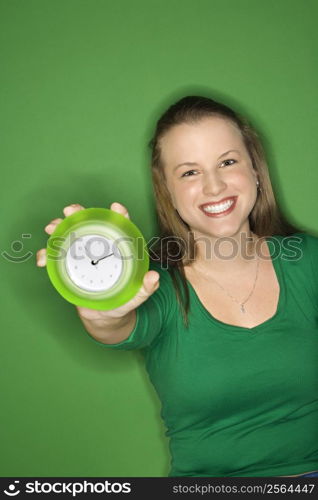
<point>227,163</point>
<point>188,173</point>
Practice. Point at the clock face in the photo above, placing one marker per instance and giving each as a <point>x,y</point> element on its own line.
<point>97,258</point>
<point>94,263</point>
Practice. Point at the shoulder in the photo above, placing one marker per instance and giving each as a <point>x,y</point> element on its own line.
<point>308,239</point>
<point>297,247</point>
<point>305,241</point>
<point>309,244</point>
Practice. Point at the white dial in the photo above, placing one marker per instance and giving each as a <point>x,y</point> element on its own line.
<point>94,263</point>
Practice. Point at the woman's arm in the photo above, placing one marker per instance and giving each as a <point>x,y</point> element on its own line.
<point>110,331</point>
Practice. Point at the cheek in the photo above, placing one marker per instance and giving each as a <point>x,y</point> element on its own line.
<point>186,194</point>
<point>245,179</point>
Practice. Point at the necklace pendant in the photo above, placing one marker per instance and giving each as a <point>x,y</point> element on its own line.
<point>242,308</point>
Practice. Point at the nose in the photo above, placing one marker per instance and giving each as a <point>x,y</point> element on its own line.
<point>213,184</point>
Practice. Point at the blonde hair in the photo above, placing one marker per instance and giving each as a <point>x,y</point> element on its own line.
<point>266,218</point>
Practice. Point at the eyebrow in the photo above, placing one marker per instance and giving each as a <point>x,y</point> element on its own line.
<point>193,163</point>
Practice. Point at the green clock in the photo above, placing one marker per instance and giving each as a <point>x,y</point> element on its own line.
<point>97,258</point>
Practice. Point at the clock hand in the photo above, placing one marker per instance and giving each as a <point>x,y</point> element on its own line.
<point>94,262</point>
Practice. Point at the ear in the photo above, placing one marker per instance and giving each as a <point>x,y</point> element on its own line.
<point>255,174</point>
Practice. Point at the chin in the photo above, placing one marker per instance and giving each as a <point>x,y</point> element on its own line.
<point>225,231</point>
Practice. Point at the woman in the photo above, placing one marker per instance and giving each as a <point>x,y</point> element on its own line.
<point>230,336</point>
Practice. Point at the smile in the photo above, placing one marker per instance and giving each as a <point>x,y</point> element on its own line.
<point>224,207</point>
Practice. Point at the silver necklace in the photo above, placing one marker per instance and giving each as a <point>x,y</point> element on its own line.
<point>241,304</point>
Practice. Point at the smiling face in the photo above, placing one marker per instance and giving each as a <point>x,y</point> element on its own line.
<point>206,163</point>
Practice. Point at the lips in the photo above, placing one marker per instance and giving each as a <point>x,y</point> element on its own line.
<point>220,202</point>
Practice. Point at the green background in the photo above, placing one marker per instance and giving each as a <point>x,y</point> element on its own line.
<point>82,83</point>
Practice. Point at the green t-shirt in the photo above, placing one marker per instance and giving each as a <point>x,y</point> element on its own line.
<point>238,401</point>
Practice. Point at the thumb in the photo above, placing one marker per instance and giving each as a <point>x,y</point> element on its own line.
<point>151,281</point>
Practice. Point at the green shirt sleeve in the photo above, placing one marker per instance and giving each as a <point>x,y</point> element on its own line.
<point>151,316</point>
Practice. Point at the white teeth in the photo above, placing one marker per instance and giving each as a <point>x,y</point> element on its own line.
<point>221,207</point>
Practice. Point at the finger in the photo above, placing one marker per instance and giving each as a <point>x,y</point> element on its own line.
<point>149,286</point>
<point>151,281</point>
<point>50,228</point>
<point>41,257</point>
<point>119,208</point>
<point>71,209</point>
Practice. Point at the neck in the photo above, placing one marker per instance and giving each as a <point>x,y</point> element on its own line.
<point>230,255</point>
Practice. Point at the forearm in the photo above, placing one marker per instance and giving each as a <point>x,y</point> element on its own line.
<point>110,331</point>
